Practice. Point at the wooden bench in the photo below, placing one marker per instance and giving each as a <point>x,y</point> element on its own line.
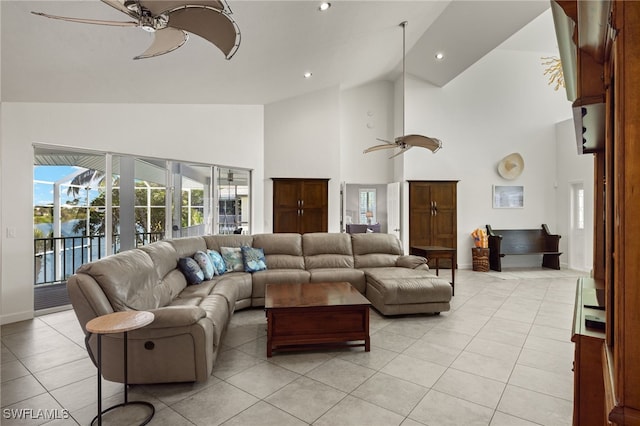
<point>504,242</point>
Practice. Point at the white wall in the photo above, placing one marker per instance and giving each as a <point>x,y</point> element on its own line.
<point>366,113</point>
<point>302,140</point>
<point>573,168</point>
<point>217,134</point>
<point>502,104</point>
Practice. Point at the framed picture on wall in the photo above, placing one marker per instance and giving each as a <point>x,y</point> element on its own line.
<point>508,197</point>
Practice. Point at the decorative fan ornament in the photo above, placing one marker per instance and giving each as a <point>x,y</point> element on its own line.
<point>171,21</point>
<point>406,142</point>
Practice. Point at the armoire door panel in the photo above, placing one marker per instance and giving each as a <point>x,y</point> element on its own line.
<point>314,194</point>
<point>286,194</point>
<point>286,221</point>
<point>313,220</point>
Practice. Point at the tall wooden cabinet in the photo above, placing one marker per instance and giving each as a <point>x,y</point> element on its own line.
<point>607,34</point>
<point>433,217</point>
<point>300,205</point>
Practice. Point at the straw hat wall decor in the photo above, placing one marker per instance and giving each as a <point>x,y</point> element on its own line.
<point>511,166</point>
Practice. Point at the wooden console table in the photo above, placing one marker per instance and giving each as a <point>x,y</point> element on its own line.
<point>118,322</point>
<point>588,381</point>
<point>437,252</point>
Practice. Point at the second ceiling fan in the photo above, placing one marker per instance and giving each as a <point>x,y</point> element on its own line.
<point>406,142</point>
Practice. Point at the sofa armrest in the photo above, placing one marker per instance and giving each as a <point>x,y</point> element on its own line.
<point>176,316</point>
<point>412,262</point>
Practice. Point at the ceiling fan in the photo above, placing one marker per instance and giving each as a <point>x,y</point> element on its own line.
<point>406,142</point>
<point>171,21</point>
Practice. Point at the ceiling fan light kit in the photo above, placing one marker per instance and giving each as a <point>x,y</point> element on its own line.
<point>406,142</point>
<point>171,21</point>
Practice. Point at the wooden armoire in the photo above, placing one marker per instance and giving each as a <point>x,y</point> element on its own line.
<point>433,215</point>
<point>300,205</point>
<point>604,37</point>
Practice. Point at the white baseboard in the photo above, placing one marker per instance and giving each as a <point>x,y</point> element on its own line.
<point>53,310</point>
<point>16,317</point>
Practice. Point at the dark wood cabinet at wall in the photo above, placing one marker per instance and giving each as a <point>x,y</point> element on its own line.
<point>300,205</point>
<point>433,215</point>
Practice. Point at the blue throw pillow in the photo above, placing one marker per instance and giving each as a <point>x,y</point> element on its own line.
<point>217,261</point>
<point>192,272</point>
<point>232,258</point>
<point>253,259</point>
<point>204,262</point>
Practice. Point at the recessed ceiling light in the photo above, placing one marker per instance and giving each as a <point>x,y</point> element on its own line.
<point>325,5</point>
<point>439,56</point>
<point>308,74</point>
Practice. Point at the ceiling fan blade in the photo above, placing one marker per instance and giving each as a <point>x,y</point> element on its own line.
<point>379,147</point>
<point>119,5</point>
<point>89,21</point>
<point>213,25</point>
<point>402,151</point>
<point>156,7</point>
<point>431,144</point>
<point>165,41</point>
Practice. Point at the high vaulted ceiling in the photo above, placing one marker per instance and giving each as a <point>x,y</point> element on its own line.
<point>354,42</point>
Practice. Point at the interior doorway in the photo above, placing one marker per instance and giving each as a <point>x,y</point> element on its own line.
<point>577,226</point>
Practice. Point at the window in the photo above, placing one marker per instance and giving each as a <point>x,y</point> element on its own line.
<point>368,206</point>
<point>579,208</point>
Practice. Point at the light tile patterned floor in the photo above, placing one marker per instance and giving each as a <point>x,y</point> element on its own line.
<point>501,356</point>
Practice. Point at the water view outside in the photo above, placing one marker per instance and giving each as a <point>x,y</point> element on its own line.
<point>82,219</point>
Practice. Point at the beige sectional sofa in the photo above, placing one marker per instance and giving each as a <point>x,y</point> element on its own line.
<point>183,341</point>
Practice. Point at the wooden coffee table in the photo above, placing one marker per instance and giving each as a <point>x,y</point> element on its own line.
<point>312,315</point>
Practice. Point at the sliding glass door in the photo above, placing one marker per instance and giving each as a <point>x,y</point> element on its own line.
<point>88,205</point>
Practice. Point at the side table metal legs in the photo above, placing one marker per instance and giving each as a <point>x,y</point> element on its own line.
<point>126,402</point>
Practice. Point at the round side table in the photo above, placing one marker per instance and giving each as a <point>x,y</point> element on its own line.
<point>118,322</point>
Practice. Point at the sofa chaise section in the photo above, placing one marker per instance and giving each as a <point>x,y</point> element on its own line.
<point>398,284</point>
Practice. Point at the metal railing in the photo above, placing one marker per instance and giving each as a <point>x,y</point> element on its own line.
<point>57,258</point>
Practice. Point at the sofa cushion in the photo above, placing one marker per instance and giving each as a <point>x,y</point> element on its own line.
<point>191,270</point>
<point>327,250</point>
<point>404,285</point>
<point>163,255</point>
<point>186,246</point>
<point>253,259</point>
<point>214,242</point>
<point>232,258</point>
<point>353,276</point>
<point>276,276</point>
<point>134,286</point>
<point>241,280</point>
<point>281,250</point>
<point>204,262</point>
<point>174,282</point>
<point>412,262</point>
<point>374,250</point>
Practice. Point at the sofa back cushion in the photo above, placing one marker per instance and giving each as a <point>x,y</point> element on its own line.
<point>128,279</point>
<point>165,261</point>
<point>281,251</point>
<point>215,242</point>
<point>372,250</point>
<point>327,250</point>
<point>187,246</point>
